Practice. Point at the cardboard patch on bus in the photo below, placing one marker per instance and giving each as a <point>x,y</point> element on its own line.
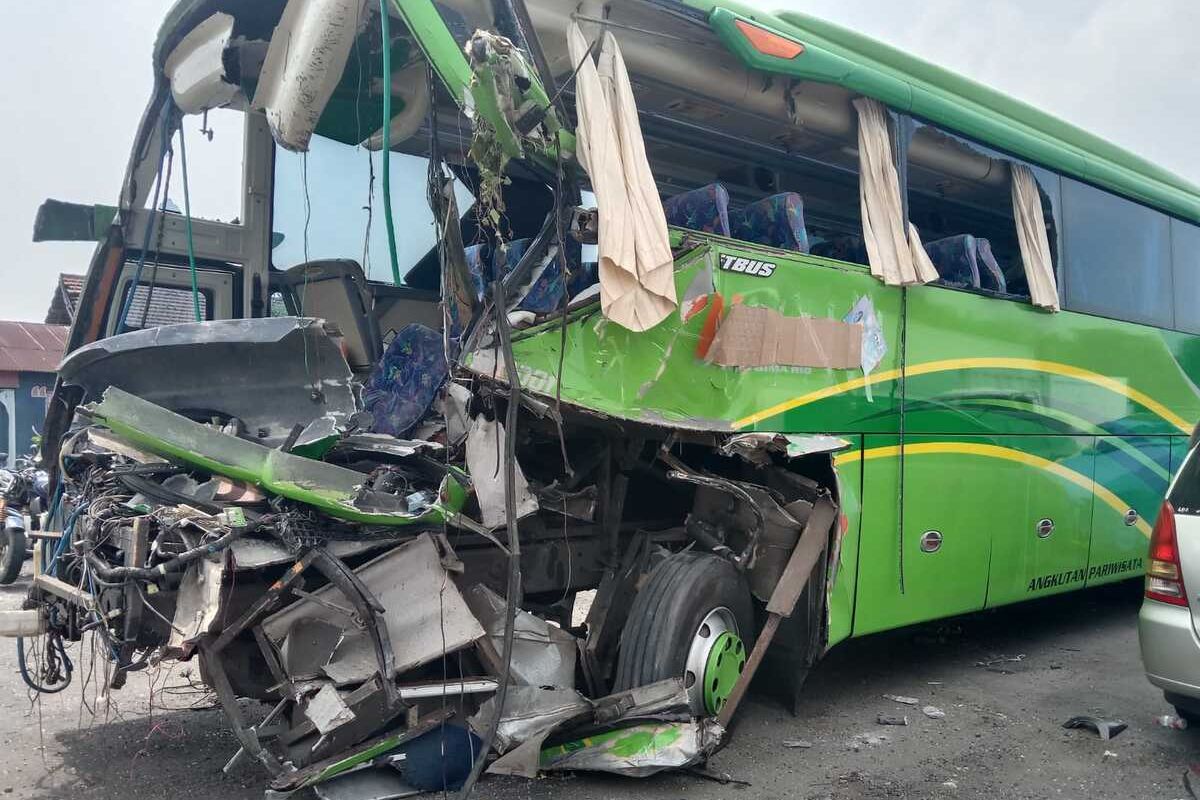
<point>753,336</point>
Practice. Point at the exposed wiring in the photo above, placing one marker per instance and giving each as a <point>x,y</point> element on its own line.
<point>385,29</point>
<point>513,598</point>
<point>187,221</point>
<point>56,657</point>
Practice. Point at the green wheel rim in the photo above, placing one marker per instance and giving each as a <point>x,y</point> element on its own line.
<point>725,663</point>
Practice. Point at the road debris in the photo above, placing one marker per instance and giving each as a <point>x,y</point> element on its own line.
<point>1104,728</point>
<point>902,699</point>
<point>890,719</point>
<point>861,740</point>
<point>933,712</point>
<point>1171,721</point>
<point>802,744</point>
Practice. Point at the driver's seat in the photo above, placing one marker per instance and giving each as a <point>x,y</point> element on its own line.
<point>336,290</point>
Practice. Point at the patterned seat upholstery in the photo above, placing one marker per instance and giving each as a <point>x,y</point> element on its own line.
<point>544,293</point>
<point>404,383</point>
<point>955,258</point>
<point>705,209</point>
<point>990,274</point>
<point>477,265</point>
<point>776,221</point>
<point>842,248</point>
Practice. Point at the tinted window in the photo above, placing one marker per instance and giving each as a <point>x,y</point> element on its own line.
<point>1118,257</point>
<point>1185,261</point>
<point>1185,495</point>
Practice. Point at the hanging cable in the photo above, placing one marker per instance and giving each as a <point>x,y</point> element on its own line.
<point>187,219</point>
<point>141,263</point>
<point>385,29</point>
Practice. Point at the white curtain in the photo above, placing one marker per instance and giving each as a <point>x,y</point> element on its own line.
<point>1031,233</point>
<point>896,259</point>
<point>637,270</point>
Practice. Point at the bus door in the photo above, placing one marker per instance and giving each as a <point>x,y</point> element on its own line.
<point>1132,473</point>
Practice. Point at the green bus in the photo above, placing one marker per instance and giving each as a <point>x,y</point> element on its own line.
<point>982,449</point>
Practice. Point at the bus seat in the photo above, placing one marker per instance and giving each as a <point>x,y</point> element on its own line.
<point>776,221</point>
<point>402,386</point>
<point>990,274</point>
<point>705,209</point>
<point>477,261</point>
<point>336,290</point>
<point>842,248</point>
<point>955,260</point>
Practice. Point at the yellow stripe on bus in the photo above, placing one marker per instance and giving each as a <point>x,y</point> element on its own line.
<point>947,365</point>
<point>995,451</point>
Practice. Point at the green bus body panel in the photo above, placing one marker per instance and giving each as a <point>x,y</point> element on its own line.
<point>861,64</point>
<point>1011,416</point>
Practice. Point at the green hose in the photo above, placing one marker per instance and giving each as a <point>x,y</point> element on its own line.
<point>187,219</point>
<point>387,138</point>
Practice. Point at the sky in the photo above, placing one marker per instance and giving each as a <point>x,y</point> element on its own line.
<point>78,76</point>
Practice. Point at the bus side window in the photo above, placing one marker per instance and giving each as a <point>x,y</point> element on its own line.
<point>1118,257</point>
<point>960,198</point>
<point>1185,269</point>
<point>788,180</point>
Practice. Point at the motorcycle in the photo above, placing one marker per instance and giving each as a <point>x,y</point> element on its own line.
<point>23,492</point>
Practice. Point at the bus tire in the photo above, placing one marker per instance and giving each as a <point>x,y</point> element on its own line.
<point>692,619</point>
<point>12,555</point>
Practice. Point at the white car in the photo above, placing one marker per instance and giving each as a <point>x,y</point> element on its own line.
<point>1169,622</point>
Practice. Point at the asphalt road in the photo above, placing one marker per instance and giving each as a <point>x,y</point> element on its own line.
<point>1001,736</point>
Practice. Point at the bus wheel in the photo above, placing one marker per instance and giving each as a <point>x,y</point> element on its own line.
<point>693,619</point>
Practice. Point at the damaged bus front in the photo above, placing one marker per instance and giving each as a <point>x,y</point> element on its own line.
<point>463,433</point>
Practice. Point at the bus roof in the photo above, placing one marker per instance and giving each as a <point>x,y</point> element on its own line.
<point>836,55</point>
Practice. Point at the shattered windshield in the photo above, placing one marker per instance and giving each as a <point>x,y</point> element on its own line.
<point>328,204</point>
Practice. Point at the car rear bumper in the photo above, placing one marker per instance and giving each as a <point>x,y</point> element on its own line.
<point>1170,648</point>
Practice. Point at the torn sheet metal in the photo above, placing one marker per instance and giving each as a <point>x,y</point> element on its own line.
<point>756,447</point>
<point>530,711</point>
<point>579,505</point>
<point>664,699</point>
<point>197,603</point>
<point>542,655</point>
<point>425,613</point>
<point>305,61</point>
<point>454,409</point>
<point>756,336</point>
<point>251,553</point>
<point>173,366</point>
<point>485,449</point>
<point>327,711</point>
<point>308,647</point>
<point>335,490</point>
<point>639,750</point>
<point>382,444</point>
<point>382,783</point>
<point>196,67</point>
<point>413,106</point>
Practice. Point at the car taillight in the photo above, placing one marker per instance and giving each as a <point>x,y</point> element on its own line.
<point>1164,576</point>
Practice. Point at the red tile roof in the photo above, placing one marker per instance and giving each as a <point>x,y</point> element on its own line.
<point>31,346</point>
<point>65,299</point>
